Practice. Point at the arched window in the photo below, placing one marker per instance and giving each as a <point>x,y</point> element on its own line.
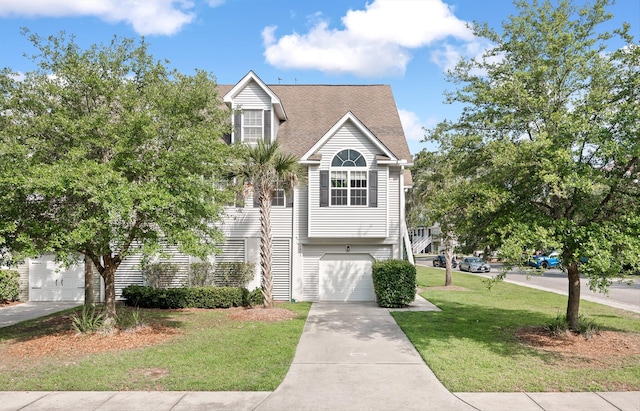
<point>348,158</point>
<point>348,179</point>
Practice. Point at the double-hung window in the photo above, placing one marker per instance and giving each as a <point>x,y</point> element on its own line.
<point>251,125</point>
<point>348,179</point>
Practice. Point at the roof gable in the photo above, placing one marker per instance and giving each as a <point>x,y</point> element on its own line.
<point>249,77</point>
<point>312,110</point>
<point>348,117</point>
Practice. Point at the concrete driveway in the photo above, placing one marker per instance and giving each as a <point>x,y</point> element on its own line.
<point>28,311</point>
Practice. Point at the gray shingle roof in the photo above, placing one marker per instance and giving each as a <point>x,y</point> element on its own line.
<point>313,109</point>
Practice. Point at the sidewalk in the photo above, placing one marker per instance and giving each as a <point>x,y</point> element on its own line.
<point>351,356</point>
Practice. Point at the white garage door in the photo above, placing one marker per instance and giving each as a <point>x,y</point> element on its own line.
<point>49,282</point>
<point>346,277</point>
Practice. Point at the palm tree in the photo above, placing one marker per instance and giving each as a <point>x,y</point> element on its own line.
<point>263,169</point>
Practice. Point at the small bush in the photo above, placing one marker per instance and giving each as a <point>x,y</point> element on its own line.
<point>160,275</point>
<point>560,326</point>
<point>90,320</point>
<point>131,318</point>
<point>394,282</point>
<point>253,298</point>
<point>234,274</point>
<point>201,274</point>
<point>192,297</point>
<point>9,285</point>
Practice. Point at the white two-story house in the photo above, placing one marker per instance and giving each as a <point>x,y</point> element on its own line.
<point>350,210</point>
<point>348,213</point>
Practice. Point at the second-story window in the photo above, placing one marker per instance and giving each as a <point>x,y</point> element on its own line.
<point>251,125</point>
<point>348,179</point>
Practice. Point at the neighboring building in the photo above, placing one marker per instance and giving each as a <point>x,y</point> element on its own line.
<point>347,214</point>
<point>425,240</point>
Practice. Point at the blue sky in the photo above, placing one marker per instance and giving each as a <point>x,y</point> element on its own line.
<point>405,43</point>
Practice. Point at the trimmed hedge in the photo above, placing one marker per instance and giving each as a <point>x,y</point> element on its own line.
<point>9,285</point>
<point>192,297</point>
<point>394,282</point>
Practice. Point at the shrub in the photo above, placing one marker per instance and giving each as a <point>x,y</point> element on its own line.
<point>233,274</point>
<point>88,321</point>
<point>200,274</point>
<point>394,282</point>
<point>160,275</point>
<point>560,326</point>
<point>192,297</point>
<point>128,319</point>
<point>9,285</point>
<point>253,298</point>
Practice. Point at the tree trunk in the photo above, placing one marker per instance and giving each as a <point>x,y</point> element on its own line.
<point>573,303</point>
<point>89,301</point>
<point>448,255</point>
<point>109,275</point>
<point>265,247</point>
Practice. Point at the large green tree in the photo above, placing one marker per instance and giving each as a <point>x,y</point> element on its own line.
<point>263,169</point>
<point>549,139</point>
<point>105,152</point>
<point>435,199</point>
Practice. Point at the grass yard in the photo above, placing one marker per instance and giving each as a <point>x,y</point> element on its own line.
<point>192,350</point>
<point>473,344</point>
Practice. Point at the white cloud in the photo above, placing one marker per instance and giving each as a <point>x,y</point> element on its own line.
<point>413,126</point>
<point>164,17</point>
<point>448,55</point>
<point>372,42</point>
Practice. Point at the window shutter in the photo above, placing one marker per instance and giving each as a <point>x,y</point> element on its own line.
<point>237,126</point>
<point>373,188</point>
<point>324,188</point>
<point>227,138</point>
<point>266,131</point>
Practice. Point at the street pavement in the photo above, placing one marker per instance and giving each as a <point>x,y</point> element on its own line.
<point>351,356</point>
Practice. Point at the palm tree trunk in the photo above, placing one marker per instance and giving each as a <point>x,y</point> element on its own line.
<point>265,247</point>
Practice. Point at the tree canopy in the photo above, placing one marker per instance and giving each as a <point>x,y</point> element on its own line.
<point>548,141</point>
<point>105,152</point>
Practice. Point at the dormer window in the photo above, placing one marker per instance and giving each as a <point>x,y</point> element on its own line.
<point>251,125</point>
<point>348,179</point>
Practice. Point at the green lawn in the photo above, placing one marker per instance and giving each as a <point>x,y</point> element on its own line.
<point>471,347</point>
<point>212,352</point>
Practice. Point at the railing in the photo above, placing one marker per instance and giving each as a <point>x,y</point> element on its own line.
<point>420,243</point>
<point>407,241</point>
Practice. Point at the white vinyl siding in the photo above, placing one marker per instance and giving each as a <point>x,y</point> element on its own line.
<point>281,269</point>
<point>232,251</point>
<point>347,222</point>
<point>128,273</point>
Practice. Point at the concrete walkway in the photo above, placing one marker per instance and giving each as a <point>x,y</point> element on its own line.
<point>350,357</point>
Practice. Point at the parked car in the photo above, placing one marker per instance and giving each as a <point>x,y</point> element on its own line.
<point>474,265</point>
<point>439,261</point>
<point>551,260</point>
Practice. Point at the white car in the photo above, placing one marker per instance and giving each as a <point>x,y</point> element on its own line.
<point>474,265</point>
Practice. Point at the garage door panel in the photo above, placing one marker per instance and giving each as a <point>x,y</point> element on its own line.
<point>49,281</point>
<point>346,277</point>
